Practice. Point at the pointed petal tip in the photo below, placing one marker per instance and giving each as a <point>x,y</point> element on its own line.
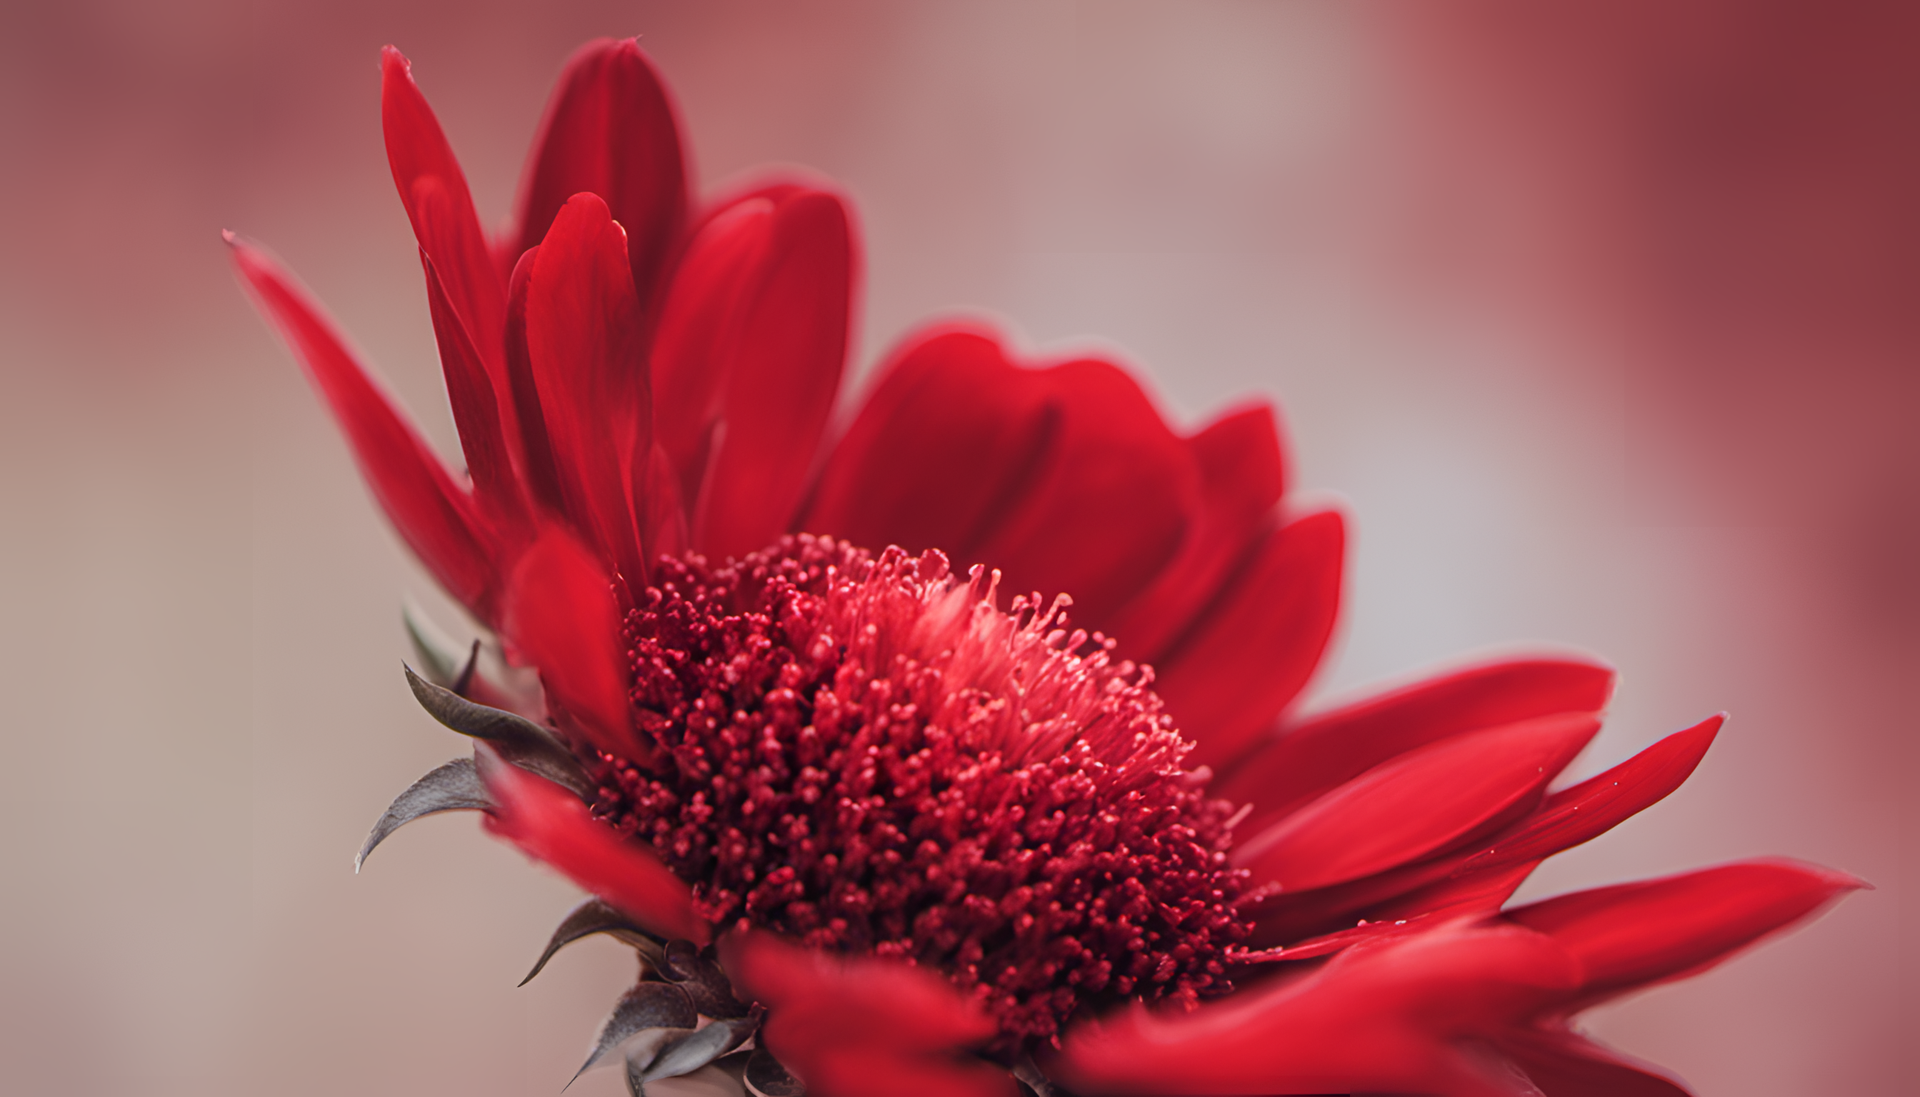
<point>1697,739</point>
<point>427,504</point>
<point>1640,934</point>
<point>1706,730</point>
<point>1836,881</point>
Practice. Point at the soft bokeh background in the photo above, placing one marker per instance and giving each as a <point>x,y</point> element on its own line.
<point>1603,320</point>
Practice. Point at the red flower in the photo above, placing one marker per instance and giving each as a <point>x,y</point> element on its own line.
<point>944,840</point>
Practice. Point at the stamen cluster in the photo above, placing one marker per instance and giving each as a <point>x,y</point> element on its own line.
<point>864,754</point>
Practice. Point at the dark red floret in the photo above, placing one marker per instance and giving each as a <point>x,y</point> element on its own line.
<point>863,754</point>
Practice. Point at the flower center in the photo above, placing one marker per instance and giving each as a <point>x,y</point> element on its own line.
<point>863,754</point>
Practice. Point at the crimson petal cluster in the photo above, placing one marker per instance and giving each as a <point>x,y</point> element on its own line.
<point>644,387</point>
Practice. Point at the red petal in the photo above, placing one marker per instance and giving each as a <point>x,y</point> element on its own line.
<point>699,323</point>
<point>551,826</point>
<point>610,129</point>
<point>1242,477</point>
<point>941,450</point>
<point>1418,911</point>
<point>1371,933</point>
<point>1595,806</point>
<point>1483,890</point>
<point>535,447</point>
<point>1065,478</point>
<point>475,411</point>
<point>861,1026</point>
<point>1414,806</point>
<point>587,355</point>
<point>1324,751</point>
<point>1339,941</point>
<point>663,520</point>
<point>1483,877</point>
<point>1255,647</point>
<point>1415,911</point>
<point>1566,1065</point>
<point>440,207</point>
<point>1404,1016</point>
<point>562,618</point>
<point>1287,919</point>
<point>1631,935</point>
<point>432,512</point>
<point>1109,507</point>
<point>781,376</point>
<point>1241,458</point>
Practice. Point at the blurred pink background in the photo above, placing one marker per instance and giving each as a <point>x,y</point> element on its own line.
<point>1603,320</point>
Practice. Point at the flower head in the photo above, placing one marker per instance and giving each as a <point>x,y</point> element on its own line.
<point>874,825</point>
<point>866,756</point>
